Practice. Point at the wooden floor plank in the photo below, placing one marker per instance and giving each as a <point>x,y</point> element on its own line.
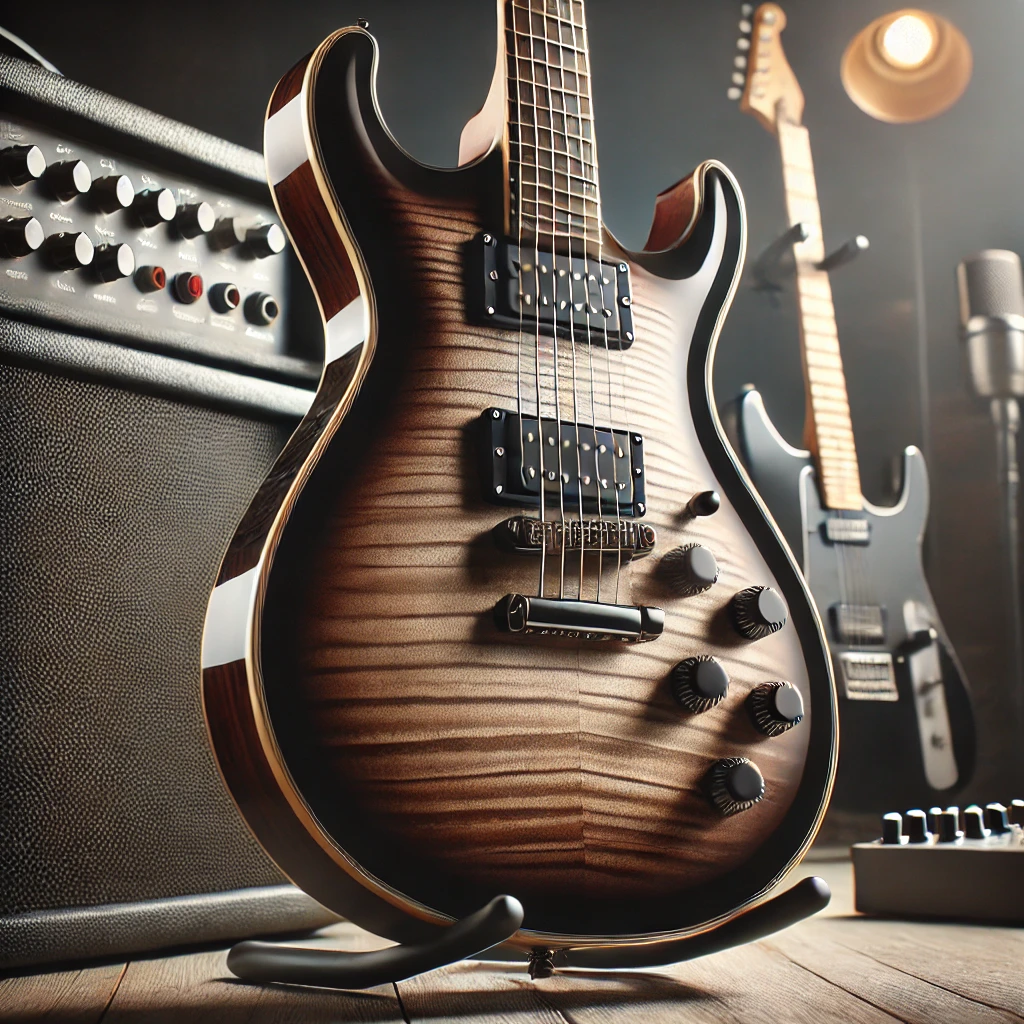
<point>59,997</point>
<point>199,988</point>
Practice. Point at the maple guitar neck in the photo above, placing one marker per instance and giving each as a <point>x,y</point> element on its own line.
<point>829,430</point>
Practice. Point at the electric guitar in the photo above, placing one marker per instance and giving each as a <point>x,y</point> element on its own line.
<point>506,617</point>
<point>907,727</point>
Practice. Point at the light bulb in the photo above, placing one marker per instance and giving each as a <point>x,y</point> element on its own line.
<point>908,42</point>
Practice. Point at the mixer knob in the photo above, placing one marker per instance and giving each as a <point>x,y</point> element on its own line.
<point>261,308</point>
<point>113,192</point>
<point>21,164</point>
<point>1016,814</point>
<point>112,262</point>
<point>227,233</point>
<point>949,826</point>
<point>775,707</point>
<point>917,827</point>
<point>758,612</point>
<point>700,683</point>
<point>265,240</point>
<point>19,236</point>
<point>996,819</point>
<point>154,206</point>
<point>195,219</point>
<point>933,819</point>
<point>892,829</point>
<point>974,825</point>
<point>69,250</point>
<point>68,179</point>
<point>734,784</point>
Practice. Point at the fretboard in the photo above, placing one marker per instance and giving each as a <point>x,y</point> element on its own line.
<point>552,159</point>
<point>829,430</point>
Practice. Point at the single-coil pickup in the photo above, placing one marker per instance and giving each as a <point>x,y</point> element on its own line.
<point>599,467</point>
<point>618,537</point>
<point>575,296</point>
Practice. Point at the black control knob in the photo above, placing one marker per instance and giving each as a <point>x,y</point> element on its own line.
<point>224,297</point>
<point>996,819</point>
<point>704,503</point>
<point>892,829</point>
<point>974,823</point>
<point>19,236</point>
<point>261,309</point>
<point>21,164</point>
<point>917,827</point>
<point>690,570</point>
<point>195,219</point>
<point>154,206</point>
<point>112,262</point>
<point>775,707</point>
<point>949,826</point>
<point>734,784</point>
<point>758,612</point>
<point>933,819</point>
<point>227,233</point>
<point>113,192</point>
<point>265,240</point>
<point>69,250</point>
<point>698,684</point>
<point>68,179</point>
<point>1016,814</point>
<point>187,287</point>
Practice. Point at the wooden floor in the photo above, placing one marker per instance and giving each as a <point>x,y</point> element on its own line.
<point>835,967</point>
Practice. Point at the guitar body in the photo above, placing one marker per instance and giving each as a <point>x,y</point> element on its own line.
<point>911,744</point>
<point>402,758</point>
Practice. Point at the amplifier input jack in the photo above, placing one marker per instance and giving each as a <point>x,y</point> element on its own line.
<point>225,296</point>
<point>261,309</point>
<point>187,287</point>
<point>150,279</point>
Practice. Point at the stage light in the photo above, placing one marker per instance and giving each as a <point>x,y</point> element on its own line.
<point>906,66</point>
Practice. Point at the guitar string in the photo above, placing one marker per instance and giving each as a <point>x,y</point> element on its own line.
<point>600,261</point>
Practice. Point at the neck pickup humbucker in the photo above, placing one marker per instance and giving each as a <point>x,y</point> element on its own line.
<point>601,468</point>
<point>557,293</point>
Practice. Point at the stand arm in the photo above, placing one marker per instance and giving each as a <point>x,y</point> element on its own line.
<point>333,968</point>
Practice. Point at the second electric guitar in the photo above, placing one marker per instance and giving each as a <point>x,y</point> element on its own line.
<point>907,728</point>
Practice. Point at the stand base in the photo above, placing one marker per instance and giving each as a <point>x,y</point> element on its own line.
<point>476,935</point>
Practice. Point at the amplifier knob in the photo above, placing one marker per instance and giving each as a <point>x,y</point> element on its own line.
<point>734,784</point>
<point>974,823</point>
<point>917,827</point>
<point>775,707</point>
<point>1016,813</point>
<point>227,233</point>
<point>21,164</point>
<point>261,309</point>
<point>691,569</point>
<point>187,287</point>
<point>114,261</point>
<point>949,822</point>
<point>224,297</point>
<point>154,206</point>
<point>892,829</point>
<point>195,219</point>
<point>700,683</point>
<point>114,192</point>
<point>150,278</point>
<point>265,240</point>
<point>68,179</point>
<point>996,819</point>
<point>69,250</point>
<point>758,612</point>
<point>19,236</point>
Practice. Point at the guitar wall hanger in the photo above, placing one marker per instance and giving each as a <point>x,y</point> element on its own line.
<point>480,935</point>
<point>777,264</point>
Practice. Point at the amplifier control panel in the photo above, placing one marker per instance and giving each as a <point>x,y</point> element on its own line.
<point>109,245</point>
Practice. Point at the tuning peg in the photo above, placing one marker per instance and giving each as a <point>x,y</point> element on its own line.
<point>740,61</point>
<point>746,10</point>
<point>742,43</point>
<point>746,28</point>
<point>734,93</point>
<point>738,79</point>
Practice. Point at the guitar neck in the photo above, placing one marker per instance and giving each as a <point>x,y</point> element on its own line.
<point>828,432</point>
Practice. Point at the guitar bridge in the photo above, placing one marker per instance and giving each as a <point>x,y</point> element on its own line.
<point>528,536</point>
<point>578,620</point>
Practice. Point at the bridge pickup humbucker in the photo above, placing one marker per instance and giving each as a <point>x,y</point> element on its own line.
<point>868,675</point>
<point>578,620</point>
<point>858,624</point>
<point>606,465</point>
<point>617,536</point>
<point>580,296</point>
<point>846,531</point>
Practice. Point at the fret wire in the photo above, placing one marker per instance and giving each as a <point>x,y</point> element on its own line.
<point>547,41</point>
<point>546,14</point>
<point>555,152</point>
<point>524,207</point>
<point>557,131</point>
<point>529,182</point>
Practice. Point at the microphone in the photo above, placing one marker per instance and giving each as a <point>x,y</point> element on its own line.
<point>991,289</point>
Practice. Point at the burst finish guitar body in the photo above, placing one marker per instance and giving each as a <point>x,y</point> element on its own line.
<point>497,620</point>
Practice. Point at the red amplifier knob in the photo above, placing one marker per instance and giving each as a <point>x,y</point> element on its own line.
<point>187,287</point>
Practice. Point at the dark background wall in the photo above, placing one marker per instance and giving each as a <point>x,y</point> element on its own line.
<point>926,195</point>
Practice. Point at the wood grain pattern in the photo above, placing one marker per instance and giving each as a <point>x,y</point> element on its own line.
<point>675,210</point>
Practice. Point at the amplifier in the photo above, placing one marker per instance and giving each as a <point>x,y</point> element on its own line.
<point>156,351</point>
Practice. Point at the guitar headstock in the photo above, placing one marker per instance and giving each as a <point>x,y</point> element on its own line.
<point>763,81</point>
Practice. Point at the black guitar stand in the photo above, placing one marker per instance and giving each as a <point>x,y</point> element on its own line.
<point>777,263</point>
<point>475,937</point>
